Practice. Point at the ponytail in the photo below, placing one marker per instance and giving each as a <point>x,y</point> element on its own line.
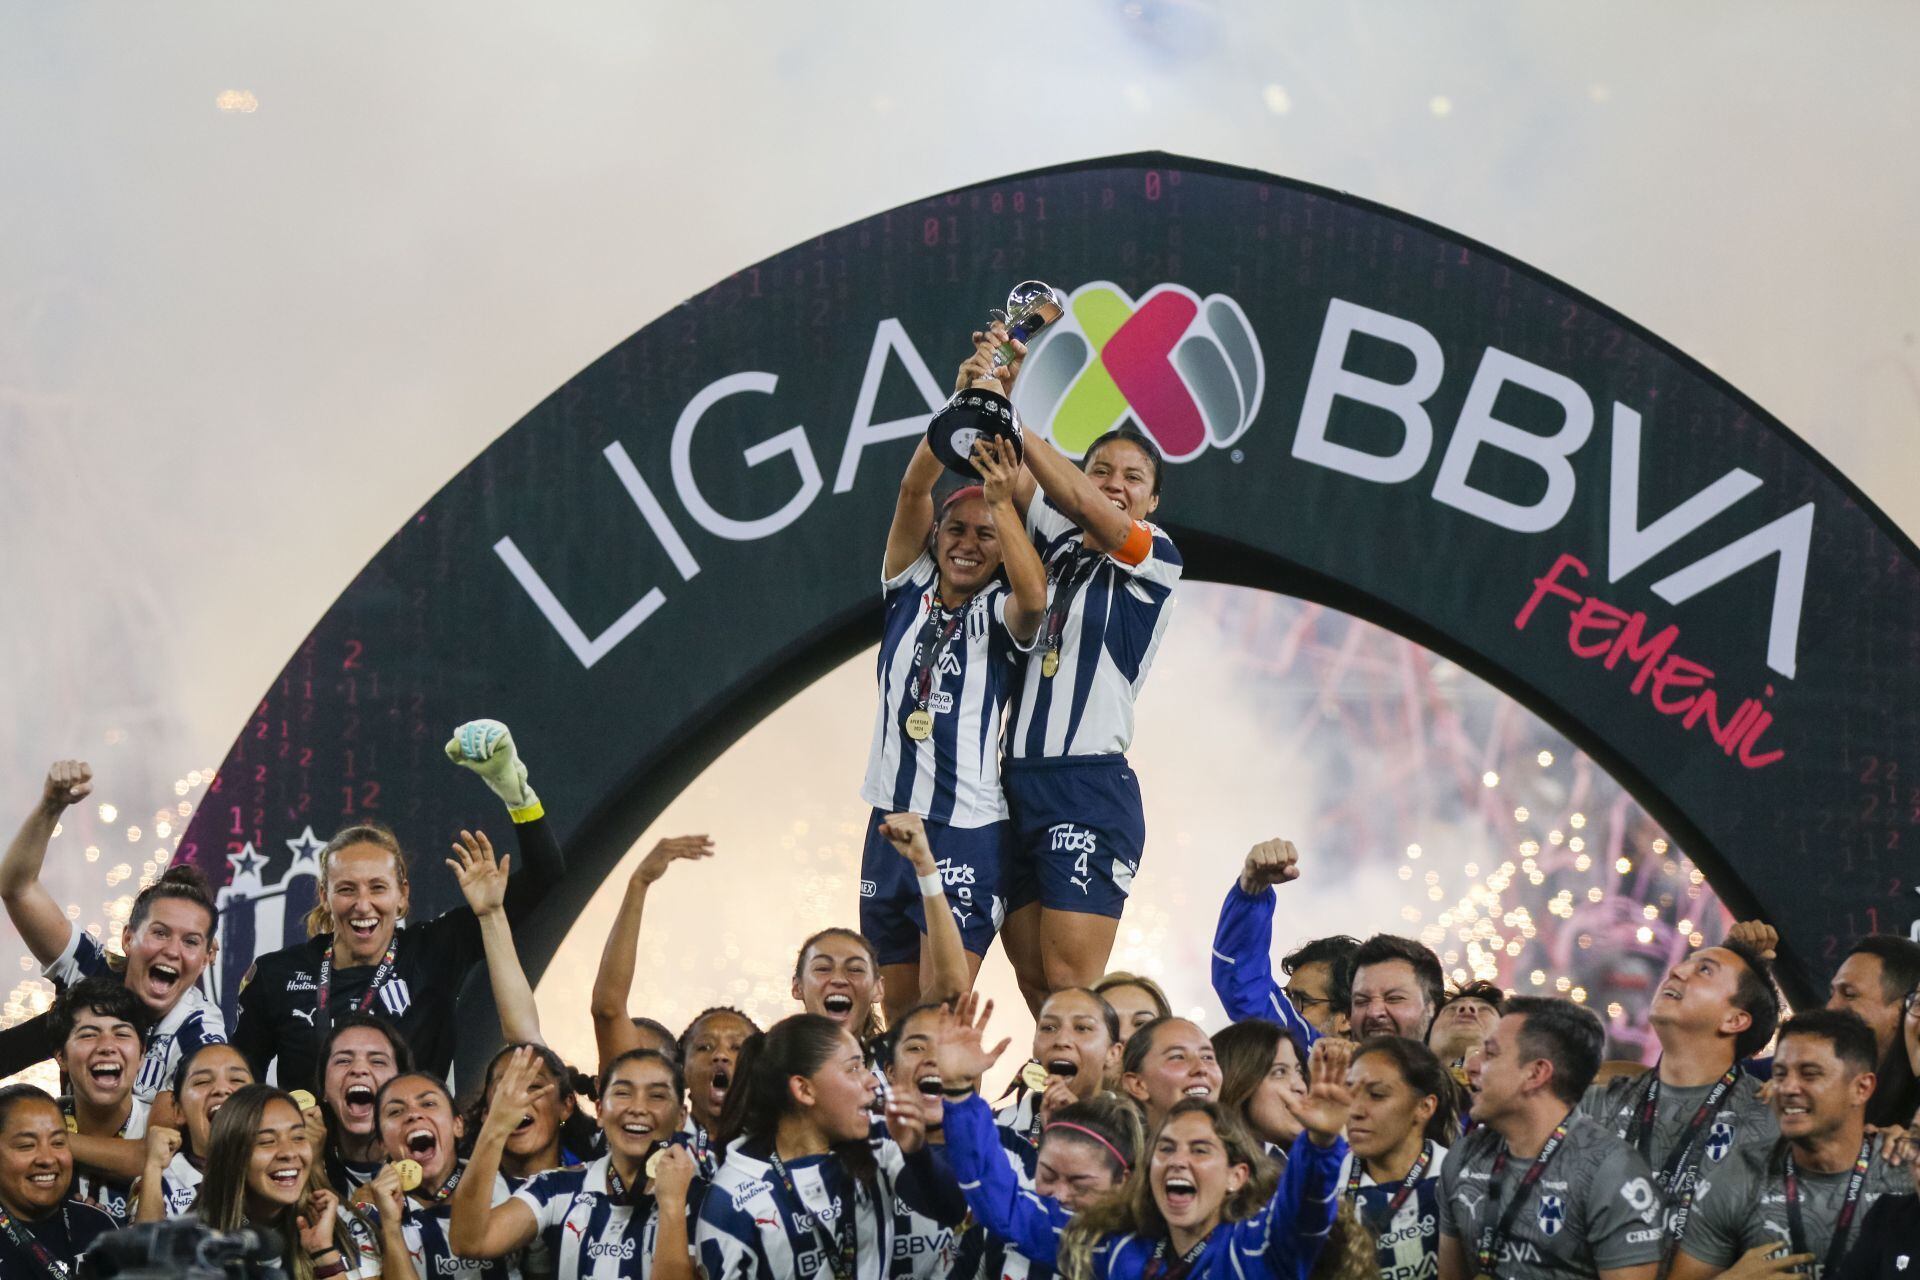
<point>182,881</point>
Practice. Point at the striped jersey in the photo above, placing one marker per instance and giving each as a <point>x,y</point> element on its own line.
<point>960,666</point>
<point>114,1196</point>
<point>425,1230</point>
<point>180,1185</point>
<point>755,1225</point>
<point>589,1235</point>
<point>1106,614</point>
<point>193,1021</point>
<point>1406,1239</point>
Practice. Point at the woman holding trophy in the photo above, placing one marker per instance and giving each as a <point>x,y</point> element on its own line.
<point>954,630</point>
<point>1078,826</point>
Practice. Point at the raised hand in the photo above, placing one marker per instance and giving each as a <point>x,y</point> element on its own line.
<point>977,369</point>
<point>999,467</point>
<point>316,1220</point>
<point>907,833</point>
<point>1059,1094</point>
<point>906,1123</point>
<point>958,1049</point>
<point>162,1145</point>
<point>1757,936</point>
<point>1006,373</point>
<point>1273,861</point>
<point>1323,1111</point>
<point>387,1194</point>
<point>673,1175</point>
<point>512,1092</point>
<point>482,879</point>
<point>68,783</point>
<point>670,851</point>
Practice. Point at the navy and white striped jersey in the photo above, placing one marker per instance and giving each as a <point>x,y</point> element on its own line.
<point>586,1233</point>
<point>1113,611</point>
<point>114,1196</point>
<point>179,1185</point>
<point>193,1021</point>
<point>1019,1125</point>
<point>425,1230</point>
<point>952,777</point>
<point>750,1229</point>
<point>1406,1240</point>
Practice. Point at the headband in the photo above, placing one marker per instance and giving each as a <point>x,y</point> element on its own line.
<point>1125,1165</point>
<point>961,495</point>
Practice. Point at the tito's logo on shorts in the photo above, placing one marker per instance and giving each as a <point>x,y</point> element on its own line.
<point>1186,369</point>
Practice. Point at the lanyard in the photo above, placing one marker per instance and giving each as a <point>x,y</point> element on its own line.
<point>445,1192</point>
<point>1836,1247</point>
<point>1494,1236</point>
<point>1158,1268</point>
<point>926,664</point>
<point>380,976</point>
<point>1076,573</point>
<point>843,1250</point>
<point>73,1122</point>
<point>1407,1184</point>
<point>28,1243</point>
<point>1639,1132</point>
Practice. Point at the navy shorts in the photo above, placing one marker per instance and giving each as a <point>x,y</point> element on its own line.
<point>972,862</point>
<point>1078,832</point>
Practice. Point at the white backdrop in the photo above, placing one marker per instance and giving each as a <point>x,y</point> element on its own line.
<point>243,337</point>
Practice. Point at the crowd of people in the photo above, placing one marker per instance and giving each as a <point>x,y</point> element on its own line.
<point>1356,1116</point>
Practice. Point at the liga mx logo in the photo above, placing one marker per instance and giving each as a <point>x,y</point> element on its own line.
<point>1186,370</point>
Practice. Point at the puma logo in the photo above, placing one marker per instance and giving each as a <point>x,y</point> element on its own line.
<point>304,1013</point>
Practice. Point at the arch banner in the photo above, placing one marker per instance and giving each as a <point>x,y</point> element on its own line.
<point>1356,406</point>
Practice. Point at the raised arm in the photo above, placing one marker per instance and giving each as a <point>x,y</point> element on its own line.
<point>1294,1226</point>
<point>477,1228</point>
<point>43,926</point>
<point>613,1029</point>
<point>672,1246</point>
<point>483,881</point>
<point>1243,944</point>
<point>945,975</point>
<point>999,469</point>
<point>912,512</point>
<point>1030,1221</point>
<point>486,748</point>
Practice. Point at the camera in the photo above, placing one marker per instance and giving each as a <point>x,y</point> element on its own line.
<point>182,1249</point>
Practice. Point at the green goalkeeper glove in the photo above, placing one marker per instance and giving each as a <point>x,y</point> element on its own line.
<point>486,747</point>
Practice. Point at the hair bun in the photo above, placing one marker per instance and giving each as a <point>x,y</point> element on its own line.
<point>185,873</point>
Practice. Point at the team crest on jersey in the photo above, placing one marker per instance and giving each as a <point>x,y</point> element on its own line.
<point>396,996</point>
<point>1553,1215</point>
<point>1719,1141</point>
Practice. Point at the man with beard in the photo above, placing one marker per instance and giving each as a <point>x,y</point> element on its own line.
<point>1397,988</point>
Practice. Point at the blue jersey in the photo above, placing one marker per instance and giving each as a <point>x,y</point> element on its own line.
<point>1407,1238</point>
<point>193,1021</point>
<point>1023,1226</point>
<point>1106,614</point>
<point>1243,967</point>
<point>960,667</point>
<point>1282,1241</point>
<point>586,1233</point>
<point>754,1225</point>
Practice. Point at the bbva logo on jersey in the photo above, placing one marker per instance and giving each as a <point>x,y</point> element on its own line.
<point>1188,370</point>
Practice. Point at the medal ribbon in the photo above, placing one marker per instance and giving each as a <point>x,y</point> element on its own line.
<point>445,1192</point>
<point>1407,1184</point>
<point>1836,1247</point>
<point>30,1244</point>
<point>1076,570</point>
<point>925,664</point>
<point>843,1250</point>
<point>1494,1235</point>
<point>1158,1268</point>
<point>66,1110</point>
<point>380,976</point>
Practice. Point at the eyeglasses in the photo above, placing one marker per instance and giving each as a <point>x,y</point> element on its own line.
<point>1303,1002</point>
<point>1908,1002</point>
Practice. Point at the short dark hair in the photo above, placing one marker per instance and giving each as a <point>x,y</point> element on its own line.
<point>1756,995</point>
<point>658,1030</point>
<point>13,1095</point>
<point>103,993</point>
<point>1566,1034</point>
<point>666,1060</point>
<point>402,1051</point>
<point>1127,435</point>
<point>1899,963</point>
<point>1852,1039</point>
<point>1382,947</point>
<point>1488,993</point>
<point>1336,953</point>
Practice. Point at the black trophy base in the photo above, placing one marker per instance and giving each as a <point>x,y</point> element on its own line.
<point>973,415</point>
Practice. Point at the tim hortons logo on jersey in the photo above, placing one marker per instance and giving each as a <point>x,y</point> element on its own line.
<point>1189,370</point>
<point>744,1194</point>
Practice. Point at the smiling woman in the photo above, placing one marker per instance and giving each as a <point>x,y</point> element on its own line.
<point>42,1229</point>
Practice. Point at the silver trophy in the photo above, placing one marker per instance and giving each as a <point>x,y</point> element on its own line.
<point>977,413</point>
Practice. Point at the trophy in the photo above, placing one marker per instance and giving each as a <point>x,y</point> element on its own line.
<point>976,413</point>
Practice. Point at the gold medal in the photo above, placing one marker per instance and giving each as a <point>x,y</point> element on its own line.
<point>73,1125</point>
<point>920,725</point>
<point>409,1171</point>
<point>653,1162</point>
<point>1034,1076</point>
<point>302,1099</point>
<point>1050,663</point>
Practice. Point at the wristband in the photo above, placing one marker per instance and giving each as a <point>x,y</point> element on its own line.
<point>932,886</point>
<point>338,1267</point>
